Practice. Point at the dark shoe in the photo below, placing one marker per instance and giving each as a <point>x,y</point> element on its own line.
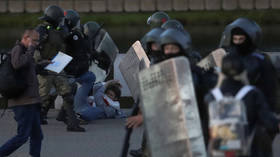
<point>64,120</point>
<point>44,122</point>
<point>81,120</point>
<point>75,129</point>
<point>136,152</point>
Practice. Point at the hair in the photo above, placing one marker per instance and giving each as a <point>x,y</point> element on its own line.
<point>114,88</point>
<point>28,32</point>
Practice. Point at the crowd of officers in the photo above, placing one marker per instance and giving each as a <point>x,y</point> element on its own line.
<point>240,39</point>
<point>62,31</point>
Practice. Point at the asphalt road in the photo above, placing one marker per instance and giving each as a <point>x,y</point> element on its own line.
<point>103,138</point>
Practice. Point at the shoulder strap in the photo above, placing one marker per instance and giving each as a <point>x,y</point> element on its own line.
<point>243,91</point>
<point>217,94</point>
<point>258,55</point>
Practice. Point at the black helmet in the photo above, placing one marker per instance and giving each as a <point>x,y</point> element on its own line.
<point>53,14</point>
<point>174,36</point>
<point>173,24</point>
<point>72,18</point>
<point>250,27</point>
<point>90,28</point>
<point>153,35</point>
<point>157,19</point>
<point>232,65</point>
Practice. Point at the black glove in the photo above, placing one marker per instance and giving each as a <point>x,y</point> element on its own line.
<point>40,67</point>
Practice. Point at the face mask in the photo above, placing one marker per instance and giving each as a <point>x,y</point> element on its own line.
<point>154,54</point>
<point>169,56</point>
<point>243,49</point>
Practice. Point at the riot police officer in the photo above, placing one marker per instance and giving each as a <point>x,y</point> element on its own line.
<point>242,37</point>
<point>52,35</point>
<point>257,110</point>
<point>175,24</point>
<point>153,48</point>
<point>155,21</point>
<point>174,43</point>
<point>77,46</point>
<point>102,48</point>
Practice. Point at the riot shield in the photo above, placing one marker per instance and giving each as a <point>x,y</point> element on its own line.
<point>129,67</point>
<point>99,72</point>
<point>108,46</point>
<point>214,59</point>
<point>170,110</point>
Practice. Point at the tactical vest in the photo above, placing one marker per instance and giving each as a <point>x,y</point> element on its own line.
<point>53,42</point>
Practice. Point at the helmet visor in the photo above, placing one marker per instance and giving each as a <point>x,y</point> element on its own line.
<point>149,21</point>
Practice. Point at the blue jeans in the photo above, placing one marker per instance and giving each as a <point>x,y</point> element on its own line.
<point>29,126</point>
<point>93,113</point>
<point>81,97</point>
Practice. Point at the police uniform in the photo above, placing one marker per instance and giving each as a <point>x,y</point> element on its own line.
<point>50,47</point>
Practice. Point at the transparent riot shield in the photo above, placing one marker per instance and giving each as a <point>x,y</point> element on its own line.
<point>108,46</point>
<point>99,72</point>
<point>170,110</point>
<point>129,67</point>
<point>228,124</point>
<point>214,60</point>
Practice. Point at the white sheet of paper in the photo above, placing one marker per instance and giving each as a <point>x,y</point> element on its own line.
<point>60,61</point>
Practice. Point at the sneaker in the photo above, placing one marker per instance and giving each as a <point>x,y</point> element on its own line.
<point>75,129</point>
<point>136,152</point>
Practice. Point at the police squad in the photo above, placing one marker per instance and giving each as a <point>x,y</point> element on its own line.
<point>237,96</point>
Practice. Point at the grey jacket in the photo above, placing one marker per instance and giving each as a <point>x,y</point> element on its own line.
<point>99,91</point>
<point>22,60</point>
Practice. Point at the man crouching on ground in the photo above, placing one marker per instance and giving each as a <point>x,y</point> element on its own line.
<point>26,107</point>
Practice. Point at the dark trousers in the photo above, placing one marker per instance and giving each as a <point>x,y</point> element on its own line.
<point>28,126</point>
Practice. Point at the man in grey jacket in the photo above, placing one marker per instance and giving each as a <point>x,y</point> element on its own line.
<point>26,106</point>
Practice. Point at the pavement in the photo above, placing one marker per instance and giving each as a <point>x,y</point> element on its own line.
<point>103,138</point>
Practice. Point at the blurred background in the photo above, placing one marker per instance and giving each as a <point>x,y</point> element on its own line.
<point>125,20</point>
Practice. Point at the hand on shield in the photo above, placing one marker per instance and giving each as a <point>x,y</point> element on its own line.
<point>134,121</point>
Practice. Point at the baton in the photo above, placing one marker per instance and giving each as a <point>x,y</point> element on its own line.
<point>128,133</point>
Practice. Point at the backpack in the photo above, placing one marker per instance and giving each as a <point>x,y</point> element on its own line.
<point>11,82</point>
<point>228,122</point>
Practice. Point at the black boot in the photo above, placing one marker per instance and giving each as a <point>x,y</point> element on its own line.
<point>136,152</point>
<point>75,129</point>
<point>61,117</point>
